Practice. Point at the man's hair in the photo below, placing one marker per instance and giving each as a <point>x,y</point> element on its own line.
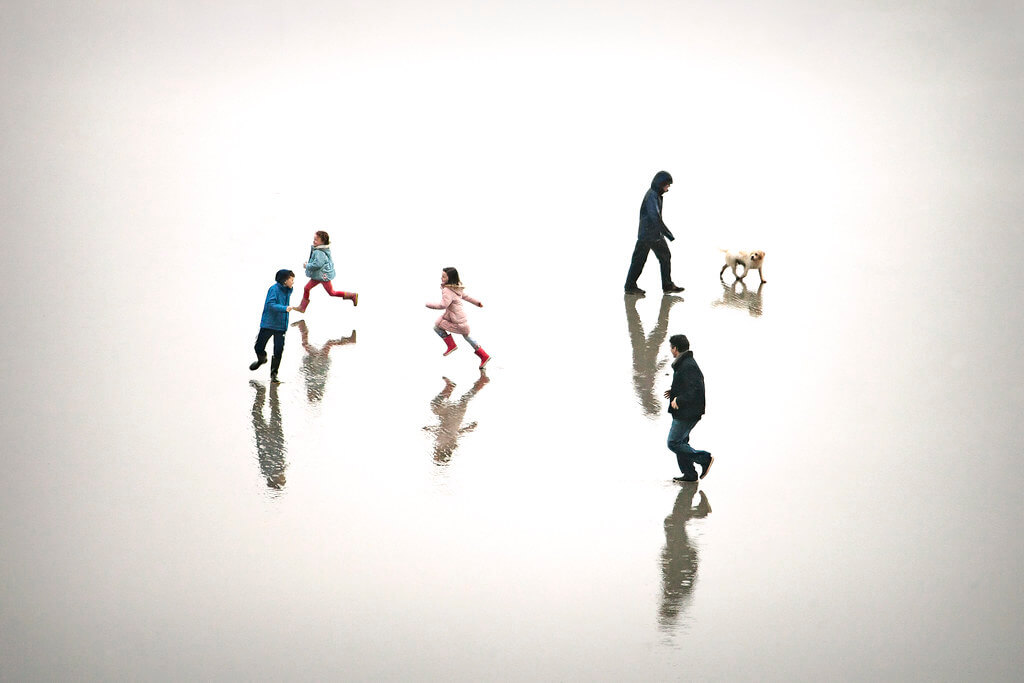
<point>680,342</point>
<point>283,275</point>
<point>324,237</point>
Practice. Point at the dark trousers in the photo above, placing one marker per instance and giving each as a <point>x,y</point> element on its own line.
<point>264,336</point>
<point>640,252</point>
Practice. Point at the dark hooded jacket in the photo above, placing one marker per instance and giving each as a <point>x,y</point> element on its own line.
<point>687,388</point>
<point>652,228</point>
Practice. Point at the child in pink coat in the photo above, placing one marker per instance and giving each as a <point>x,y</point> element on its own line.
<point>453,320</point>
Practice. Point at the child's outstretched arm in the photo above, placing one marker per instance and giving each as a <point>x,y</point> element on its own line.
<point>475,302</point>
<point>446,300</point>
<point>272,303</point>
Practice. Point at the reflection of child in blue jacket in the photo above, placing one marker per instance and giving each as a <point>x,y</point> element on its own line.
<point>320,271</point>
<point>274,322</point>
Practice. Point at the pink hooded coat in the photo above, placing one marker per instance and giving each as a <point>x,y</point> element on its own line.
<point>454,318</point>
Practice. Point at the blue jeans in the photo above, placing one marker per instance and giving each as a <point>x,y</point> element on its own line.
<point>679,443</point>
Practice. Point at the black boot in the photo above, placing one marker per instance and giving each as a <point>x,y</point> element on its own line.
<point>261,358</point>
<point>275,363</point>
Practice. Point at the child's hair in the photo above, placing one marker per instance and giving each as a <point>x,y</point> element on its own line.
<point>283,275</point>
<point>324,237</point>
<point>453,276</point>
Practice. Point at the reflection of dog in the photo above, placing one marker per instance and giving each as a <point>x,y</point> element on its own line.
<point>750,260</point>
<point>736,295</point>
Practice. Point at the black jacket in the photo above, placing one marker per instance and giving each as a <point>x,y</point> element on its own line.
<point>652,227</point>
<point>687,388</point>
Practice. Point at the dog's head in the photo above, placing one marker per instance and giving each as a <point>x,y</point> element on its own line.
<point>756,257</point>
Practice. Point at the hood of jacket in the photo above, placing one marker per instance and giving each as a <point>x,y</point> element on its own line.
<point>660,179</point>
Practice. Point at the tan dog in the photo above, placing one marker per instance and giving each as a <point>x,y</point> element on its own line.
<point>750,260</point>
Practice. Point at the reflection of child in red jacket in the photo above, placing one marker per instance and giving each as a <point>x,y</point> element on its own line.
<point>454,320</point>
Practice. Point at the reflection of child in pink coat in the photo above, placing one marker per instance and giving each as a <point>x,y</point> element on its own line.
<point>453,320</point>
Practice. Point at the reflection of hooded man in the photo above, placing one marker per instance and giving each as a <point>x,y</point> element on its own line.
<point>645,352</point>
<point>316,363</point>
<point>679,558</point>
<point>450,414</point>
<point>651,237</point>
<point>270,446</point>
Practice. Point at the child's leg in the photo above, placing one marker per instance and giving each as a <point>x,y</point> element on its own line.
<point>261,342</point>
<point>484,358</point>
<point>261,347</point>
<point>350,296</point>
<point>449,340</point>
<point>330,289</point>
<point>305,294</point>
<point>275,362</point>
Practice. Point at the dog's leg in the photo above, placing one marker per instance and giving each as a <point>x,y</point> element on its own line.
<point>760,274</point>
<point>745,270</point>
<point>722,272</point>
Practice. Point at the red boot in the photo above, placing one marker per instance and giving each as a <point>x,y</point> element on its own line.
<point>483,357</point>
<point>450,341</point>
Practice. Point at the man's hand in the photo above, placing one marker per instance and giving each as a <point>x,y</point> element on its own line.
<point>668,394</point>
<point>674,406</point>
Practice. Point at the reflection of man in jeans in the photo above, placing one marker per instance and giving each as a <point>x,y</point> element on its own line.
<point>686,407</point>
<point>679,558</point>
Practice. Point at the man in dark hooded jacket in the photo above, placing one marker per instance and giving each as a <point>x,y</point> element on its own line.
<point>651,237</point>
<point>686,404</point>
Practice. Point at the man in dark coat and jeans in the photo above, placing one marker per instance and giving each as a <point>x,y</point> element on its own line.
<point>651,237</point>
<point>686,407</point>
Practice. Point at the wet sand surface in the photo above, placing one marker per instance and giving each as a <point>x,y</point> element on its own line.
<point>389,513</point>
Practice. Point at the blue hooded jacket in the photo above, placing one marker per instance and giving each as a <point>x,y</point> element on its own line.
<point>320,265</point>
<point>652,227</point>
<point>275,308</point>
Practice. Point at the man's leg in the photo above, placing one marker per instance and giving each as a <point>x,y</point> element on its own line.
<point>702,458</point>
<point>679,443</point>
<point>664,256</point>
<point>637,263</point>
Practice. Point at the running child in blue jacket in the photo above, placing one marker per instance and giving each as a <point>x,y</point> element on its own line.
<point>274,322</point>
